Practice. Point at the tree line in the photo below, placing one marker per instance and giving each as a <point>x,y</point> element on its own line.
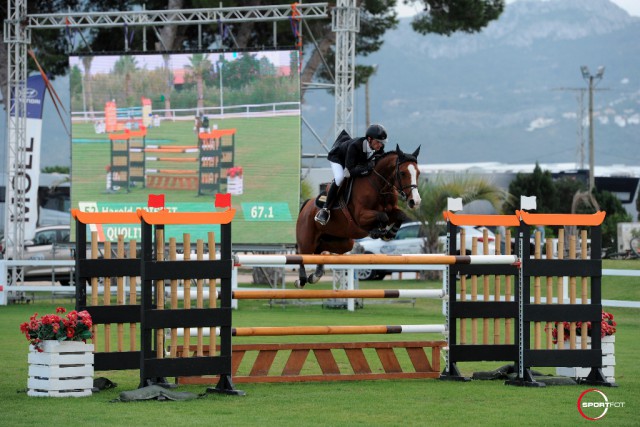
<point>246,80</point>
<point>553,195</point>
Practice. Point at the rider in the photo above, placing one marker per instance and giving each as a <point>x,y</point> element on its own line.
<point>351,157</point>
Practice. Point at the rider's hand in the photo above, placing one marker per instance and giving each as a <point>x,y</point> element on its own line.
<point>360,170</point>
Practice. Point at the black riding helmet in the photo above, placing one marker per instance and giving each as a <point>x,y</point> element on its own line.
<point>378,132</point>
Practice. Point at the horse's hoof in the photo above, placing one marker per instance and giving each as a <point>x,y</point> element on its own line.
<point>376,234</point>
<point>298,285</point>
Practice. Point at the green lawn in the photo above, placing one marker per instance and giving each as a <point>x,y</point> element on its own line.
<point>398,402</point>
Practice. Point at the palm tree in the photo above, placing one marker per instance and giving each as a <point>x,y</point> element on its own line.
<point>434,193</point>
<point>200,65</point>
<point>126,66</point>
<point>168,78</point>
<point>88,87</point>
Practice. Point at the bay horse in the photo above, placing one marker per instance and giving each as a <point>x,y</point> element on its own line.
<point>365,206</point>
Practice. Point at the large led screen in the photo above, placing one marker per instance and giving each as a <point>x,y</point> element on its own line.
<point>189,126</point>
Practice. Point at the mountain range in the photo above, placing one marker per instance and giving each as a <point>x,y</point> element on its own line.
<point>513,93</point>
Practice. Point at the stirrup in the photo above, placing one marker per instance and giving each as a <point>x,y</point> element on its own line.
<point>320,218</point>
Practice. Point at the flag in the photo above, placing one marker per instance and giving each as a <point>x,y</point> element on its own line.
<point>156,201</point>
<point>223,200</point>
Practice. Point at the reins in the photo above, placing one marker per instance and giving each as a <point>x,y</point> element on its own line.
<point>397,180</point>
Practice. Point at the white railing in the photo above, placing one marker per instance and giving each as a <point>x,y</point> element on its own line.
<point>228,111</point>
<point>7,265</point>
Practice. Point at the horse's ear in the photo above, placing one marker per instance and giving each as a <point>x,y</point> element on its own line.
<point>398,150</point>
<point>415,153</point>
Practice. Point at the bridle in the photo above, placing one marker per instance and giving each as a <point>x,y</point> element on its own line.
<point>397,180</point>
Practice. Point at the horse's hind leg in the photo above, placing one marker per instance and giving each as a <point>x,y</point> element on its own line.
<point>316,275</point>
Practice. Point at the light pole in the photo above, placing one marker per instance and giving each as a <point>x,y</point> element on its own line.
<point>592,81</point>
<point>221,90</point>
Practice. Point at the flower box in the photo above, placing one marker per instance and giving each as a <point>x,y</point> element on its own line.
<point>235,185</point>
<point>60,361</point>
<point>608,359</point>
<point>61,369</point>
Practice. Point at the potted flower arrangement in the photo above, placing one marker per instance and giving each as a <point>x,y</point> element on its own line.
<point>607,327</point>
<point>234,180</point>
<point>607,331</point>
<point>75,326</point>
<point>60,360</point>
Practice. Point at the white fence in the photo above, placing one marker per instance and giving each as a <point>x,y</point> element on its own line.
<point>9,290</point>
<point>227,111</point>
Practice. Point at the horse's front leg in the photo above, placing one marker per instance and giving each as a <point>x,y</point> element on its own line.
<point>373,220</point>
<point>396,217</point>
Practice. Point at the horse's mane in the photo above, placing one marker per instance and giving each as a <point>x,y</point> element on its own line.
<point>403,157</point>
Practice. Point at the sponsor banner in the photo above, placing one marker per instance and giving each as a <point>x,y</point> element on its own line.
<point>22,185</point>
<point>36,90</point>
<point>133,231</point>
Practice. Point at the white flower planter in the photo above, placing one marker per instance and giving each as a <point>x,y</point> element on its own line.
<point>63,369</point>
<point>608,360</point>
<point>235,185</point>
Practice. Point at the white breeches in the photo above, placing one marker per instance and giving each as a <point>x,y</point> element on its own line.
<point>338,173</point>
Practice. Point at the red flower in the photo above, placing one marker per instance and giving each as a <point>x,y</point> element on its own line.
<point>607,327</point>
<point>54,327</point>
<point>234,171</point>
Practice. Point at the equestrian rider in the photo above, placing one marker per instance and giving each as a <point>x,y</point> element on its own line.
<point>351,157</point>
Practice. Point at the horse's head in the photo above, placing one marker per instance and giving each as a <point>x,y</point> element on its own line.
<point>407,177</point>
<point>401,170</point>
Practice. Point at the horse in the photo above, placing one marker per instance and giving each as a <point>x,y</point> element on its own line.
<point>365,206</point>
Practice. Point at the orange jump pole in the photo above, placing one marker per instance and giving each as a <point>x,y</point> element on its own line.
<point>272,331</point>
<point>329,294</point>
<point>377,259</point>
<point>335,330</point>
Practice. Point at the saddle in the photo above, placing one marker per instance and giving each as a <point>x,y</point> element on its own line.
<point>342,198</point>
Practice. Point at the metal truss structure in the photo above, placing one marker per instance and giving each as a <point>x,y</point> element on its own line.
<point>345,22</point>
<point>17,35</point>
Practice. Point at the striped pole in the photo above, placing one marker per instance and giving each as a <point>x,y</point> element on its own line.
<point>271,331</point>
<point>376,259</point>
<point>268,331</point>
<point>328,294</point>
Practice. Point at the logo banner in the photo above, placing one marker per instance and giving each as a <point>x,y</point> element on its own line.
<point>25,181</point>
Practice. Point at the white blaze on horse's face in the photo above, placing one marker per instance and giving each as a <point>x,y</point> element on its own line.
<point>415,199</point>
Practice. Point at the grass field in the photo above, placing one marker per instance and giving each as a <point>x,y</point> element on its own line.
<point>267,148</point>
<point>394,403</point>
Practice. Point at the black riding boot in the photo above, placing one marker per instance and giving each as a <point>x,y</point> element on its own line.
<point>323,214</point>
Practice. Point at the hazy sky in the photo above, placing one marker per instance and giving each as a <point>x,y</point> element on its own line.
<point>631,6</point>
